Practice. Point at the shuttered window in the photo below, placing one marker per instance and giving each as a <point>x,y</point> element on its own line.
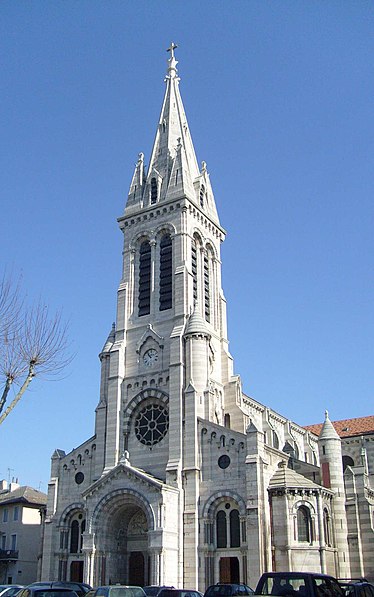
<point>144,299</point>
<point>166,273</point>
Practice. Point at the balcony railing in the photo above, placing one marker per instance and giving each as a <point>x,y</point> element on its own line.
<point>8,555</point>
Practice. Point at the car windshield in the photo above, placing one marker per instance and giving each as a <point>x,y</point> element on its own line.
<point>279,585</point>
<point>126,592</point>
<point>151,591</point>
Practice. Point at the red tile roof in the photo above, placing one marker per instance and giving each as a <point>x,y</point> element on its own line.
<point>347,427</point>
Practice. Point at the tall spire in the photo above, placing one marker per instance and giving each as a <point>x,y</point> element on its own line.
<point>172,134</point>
<point>173,170</point>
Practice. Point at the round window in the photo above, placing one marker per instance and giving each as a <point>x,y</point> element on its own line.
<point>152,424</point>
<point>224,461</point>
<point>79,478</point>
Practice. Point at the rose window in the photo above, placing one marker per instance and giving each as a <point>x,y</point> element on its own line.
<point>151,424</point>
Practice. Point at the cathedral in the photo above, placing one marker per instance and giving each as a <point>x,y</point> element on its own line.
<point>187,481</point>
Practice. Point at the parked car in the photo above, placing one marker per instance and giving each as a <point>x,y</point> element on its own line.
<point>354,588</point>
<point>298,584</point>
<point>80,588</point>
<point>179,593</point>
<point>153,590</point>
<point>119,591</point>
<point>227,590</point>
<point>9,590</point>
<point>46,590</point>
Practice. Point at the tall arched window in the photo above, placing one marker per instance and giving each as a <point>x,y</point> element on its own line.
<point>221,529</point>
<point>206,289</point>
<point>234,529</point>
<point>166,273</point>
<point>153,191</point>
<point>326,526</point>
<point>304,525</point>
<point>202,195</point>
<point>77,528</point>
<point>74,536</point>
<point>194,268</point>
<point>274,439</point>
<point>144,299</point>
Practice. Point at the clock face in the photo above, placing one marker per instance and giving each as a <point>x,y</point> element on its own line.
<point>150,357</point>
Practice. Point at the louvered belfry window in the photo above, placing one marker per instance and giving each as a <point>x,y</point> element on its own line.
<point>166,273</point>
<point>153,190</point>
<point>194,269</point>
<point>202,195</point>
<point>144,300</point>
<point>206,289</point>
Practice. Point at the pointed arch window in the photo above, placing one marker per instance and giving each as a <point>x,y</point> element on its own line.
<point>154,190</point>
<point>144,299</point>
<point>166,273</point>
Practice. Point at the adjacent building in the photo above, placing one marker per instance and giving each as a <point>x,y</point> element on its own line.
<point>21,515</point>
<point>187,480</point>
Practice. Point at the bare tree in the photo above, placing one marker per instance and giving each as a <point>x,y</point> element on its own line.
<point>32,343</point>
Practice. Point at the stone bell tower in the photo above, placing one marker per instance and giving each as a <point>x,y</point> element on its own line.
<point>170,332</point>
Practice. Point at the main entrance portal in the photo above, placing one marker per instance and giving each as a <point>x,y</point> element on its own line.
<point>122,543</point>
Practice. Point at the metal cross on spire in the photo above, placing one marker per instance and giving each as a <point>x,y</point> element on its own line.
<point>172,62</point>
<point>171,49</point>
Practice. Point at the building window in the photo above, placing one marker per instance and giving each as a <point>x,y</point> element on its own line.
<point>74,536</point>
<point>227,527</point>
<point>206,289</point>
<point>3,541</point>
<point>347,461</point>
<point>202,195</point>
<point>304,525</point>
<point>327,527</point>
<point>13,542</point>
<point>234,529</point>
<point>16,513</point>
<point>274,440</point>
<point>166,273</point>
<point>194,269</point>
<point>5,515</point>
<point>152,424</point>
<point>144,299</point>
<point>77,528</point>
<point>153,191</point>
<point>221,529</point>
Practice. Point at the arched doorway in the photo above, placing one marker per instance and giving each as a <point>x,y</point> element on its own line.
<point>122,543</point>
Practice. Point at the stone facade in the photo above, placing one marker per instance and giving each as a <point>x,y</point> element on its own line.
<point>188,481</point>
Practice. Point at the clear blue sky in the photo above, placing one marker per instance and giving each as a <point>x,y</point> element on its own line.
<point>279,98</point>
